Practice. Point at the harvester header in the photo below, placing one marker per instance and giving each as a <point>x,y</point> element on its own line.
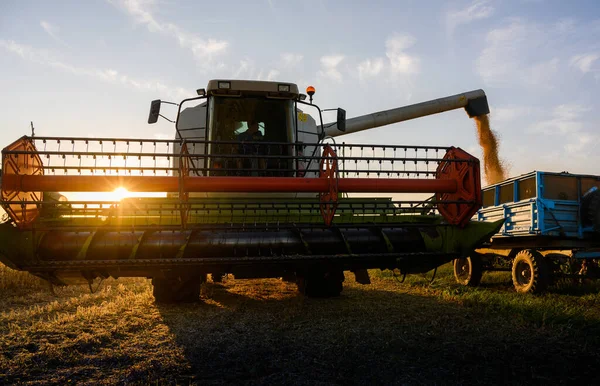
<point>250,185</point>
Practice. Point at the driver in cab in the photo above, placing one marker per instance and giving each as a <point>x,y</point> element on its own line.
<point>251,165</point>
<point>251,134</point>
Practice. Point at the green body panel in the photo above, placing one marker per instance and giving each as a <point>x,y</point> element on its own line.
<point>167,212</point>
<point>449,239</point>
<point>145,216</point>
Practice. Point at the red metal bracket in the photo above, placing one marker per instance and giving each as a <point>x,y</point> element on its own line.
<point>184,195</point>
<point>328,169</point>
<point>468,187</point>
<point>13,167</point>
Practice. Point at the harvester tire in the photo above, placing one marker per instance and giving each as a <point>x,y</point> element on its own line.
<point>321,285</point>
<point>217,277</point>
<point>468,270</point>
<point>177,290</point>
<point>530,272</point>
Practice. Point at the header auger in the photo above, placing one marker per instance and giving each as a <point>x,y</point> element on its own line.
<point>251,186</point>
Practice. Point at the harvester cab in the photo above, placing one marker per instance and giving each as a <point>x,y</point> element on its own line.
<point>249,128</point>
<point>250,185</point>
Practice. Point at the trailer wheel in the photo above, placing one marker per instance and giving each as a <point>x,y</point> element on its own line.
<point>530,272</point>
<point>177,290</point>
<point>321,285</point>
<point>468,270</point>
<point>594,210</point>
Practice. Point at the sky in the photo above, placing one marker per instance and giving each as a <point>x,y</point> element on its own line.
<point>91,68</point>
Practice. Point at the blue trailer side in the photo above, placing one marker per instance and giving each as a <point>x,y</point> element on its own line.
<point>551,219</point>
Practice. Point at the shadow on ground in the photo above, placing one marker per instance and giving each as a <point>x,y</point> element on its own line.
<point>369,336</point>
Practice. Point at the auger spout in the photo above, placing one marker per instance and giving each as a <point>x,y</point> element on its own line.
<point>474,102</point>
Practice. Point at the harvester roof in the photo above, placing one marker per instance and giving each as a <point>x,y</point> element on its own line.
<point>249,87</point>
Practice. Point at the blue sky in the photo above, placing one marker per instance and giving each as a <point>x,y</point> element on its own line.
<point>91,68</point>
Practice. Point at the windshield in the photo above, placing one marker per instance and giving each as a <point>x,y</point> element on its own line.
<point>230,117</point>
<point>250,119</point>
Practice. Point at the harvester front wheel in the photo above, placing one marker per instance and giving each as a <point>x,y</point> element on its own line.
<point>468,270</point>
<point>530,272</point>
<point>321,285</point>
<point>177,290</point>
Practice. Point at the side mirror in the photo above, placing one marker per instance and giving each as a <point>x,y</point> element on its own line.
<point>154,111</point>
<point>341,119</point>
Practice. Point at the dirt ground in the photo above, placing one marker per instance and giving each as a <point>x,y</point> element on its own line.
<point>263,332</point>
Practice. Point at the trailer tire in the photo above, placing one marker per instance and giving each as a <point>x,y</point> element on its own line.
<point>177,290</point>
<point>321,285</point>
<point>530,272</point>
<point>468,270</point>
<point>594,210</point>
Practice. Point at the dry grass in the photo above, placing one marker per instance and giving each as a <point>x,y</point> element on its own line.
<point>11,279</point>
<point>262,332</point>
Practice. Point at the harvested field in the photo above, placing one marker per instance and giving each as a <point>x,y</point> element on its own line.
<point>262,332</point>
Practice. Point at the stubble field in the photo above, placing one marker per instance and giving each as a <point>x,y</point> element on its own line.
<point>263,332</point>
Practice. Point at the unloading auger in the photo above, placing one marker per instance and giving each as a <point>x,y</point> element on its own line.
<point>250,186</point>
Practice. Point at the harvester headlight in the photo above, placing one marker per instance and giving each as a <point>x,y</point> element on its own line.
<point>225,85</point>
<point>201,92</point>
<point>284,88</point>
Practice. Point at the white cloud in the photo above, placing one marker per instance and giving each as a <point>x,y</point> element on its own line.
<point>329,66</point>
<point>477,10</point>
<point>272,75</point>
<point>518,53</point>
<point>584,62</point>
<point>23,51</point>
<point>540,73</point>
<point>291,59</point>
<point>569,111</point>
<point>509,113</point>
<point>581,141</point>
<point>106,75</point>
<point>566,120</point>
<point>246,67</point>
<point>500,58</point>
<point>400,61</point>
<point>521,52</point>
<point>370,67</point>
<point>53,31</point>
<point>203,49</point>
<point>568,123</point>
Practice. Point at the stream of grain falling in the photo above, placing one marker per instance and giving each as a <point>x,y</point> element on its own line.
<point>493,169</point>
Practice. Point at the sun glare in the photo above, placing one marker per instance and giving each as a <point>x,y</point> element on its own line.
<point>120,193</point>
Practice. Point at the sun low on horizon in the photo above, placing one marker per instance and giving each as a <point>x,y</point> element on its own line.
<point>118,194</point>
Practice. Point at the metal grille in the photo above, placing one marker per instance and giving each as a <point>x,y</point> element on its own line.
<point>111,156</point>
<point>165,213</point>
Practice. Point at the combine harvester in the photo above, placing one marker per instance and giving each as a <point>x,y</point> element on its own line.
<point>250,186</point>
<point>551,231</point>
